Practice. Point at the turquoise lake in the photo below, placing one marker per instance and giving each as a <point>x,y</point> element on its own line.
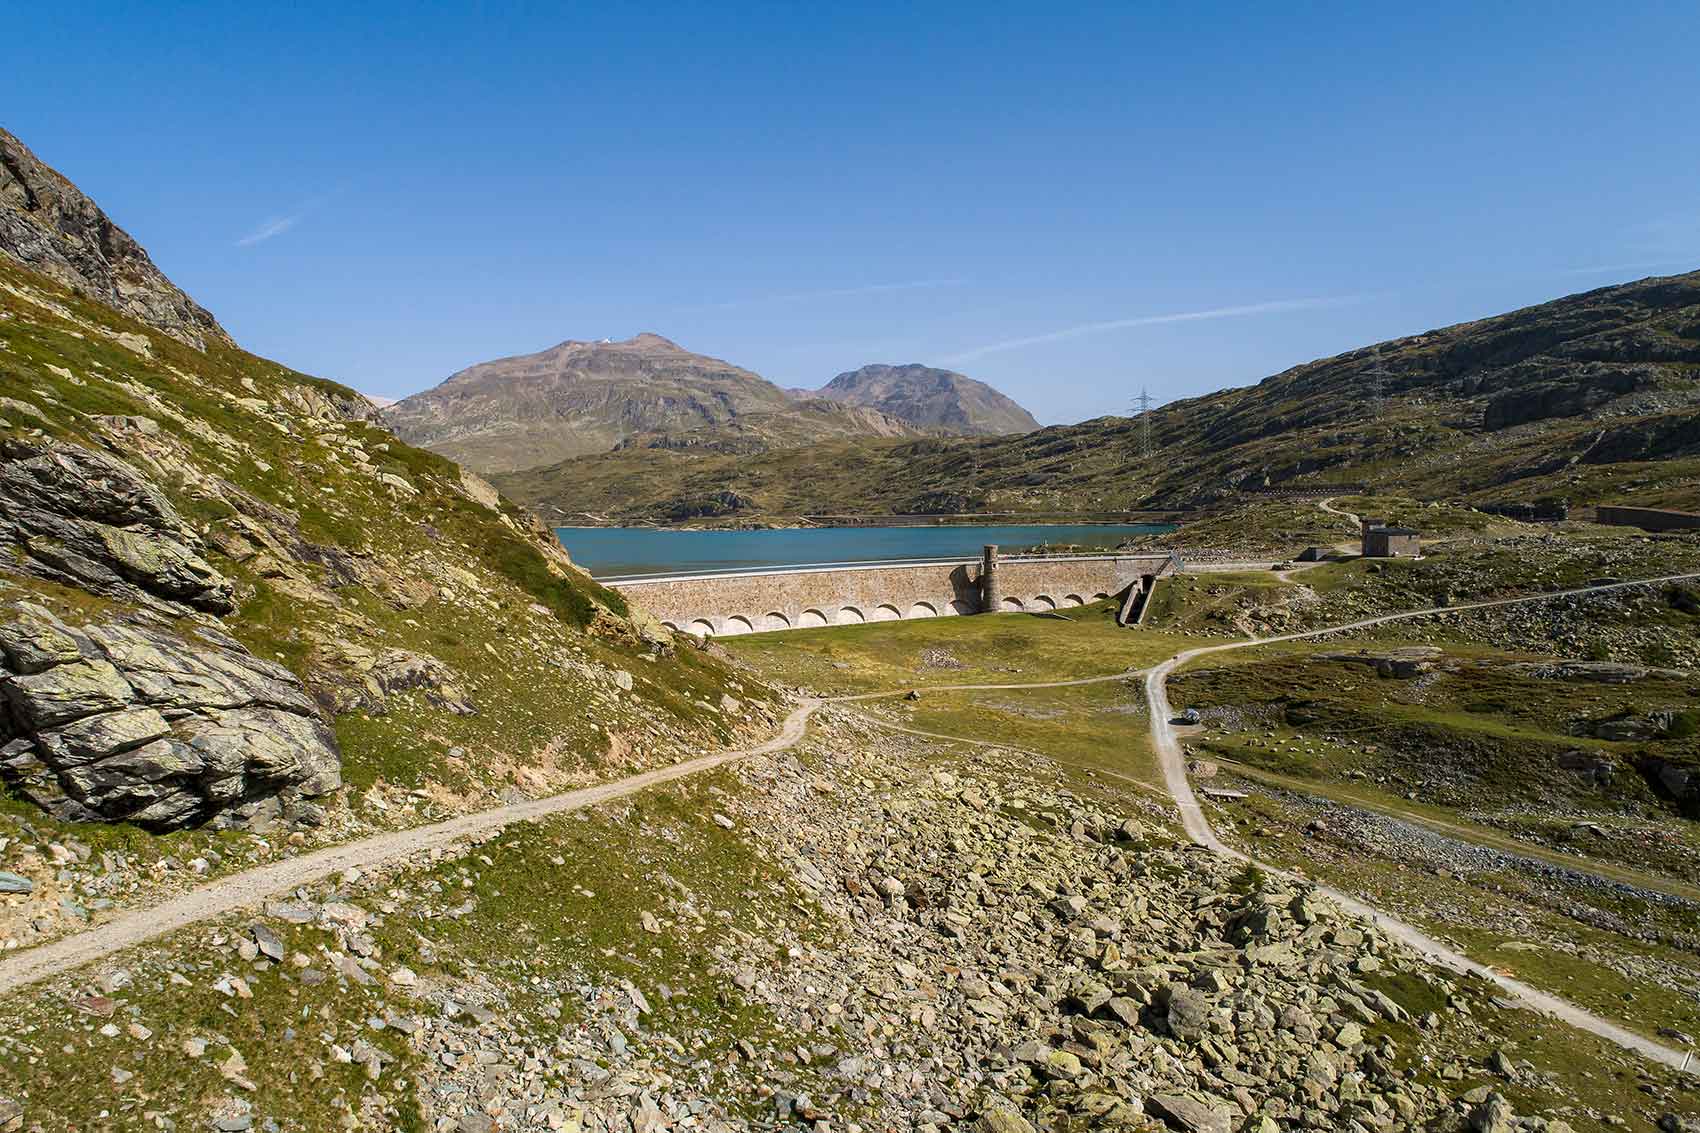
<point>613,552</point>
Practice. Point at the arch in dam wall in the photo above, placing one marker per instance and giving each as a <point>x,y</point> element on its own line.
<point>923,610</point>
<point>1073,600</point>
<point>773,620</point>
<point>812,618</point>
<point>849,616</point>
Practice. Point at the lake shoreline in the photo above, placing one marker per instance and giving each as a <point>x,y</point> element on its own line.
<point>636,551</point>
<point>1161,516</point>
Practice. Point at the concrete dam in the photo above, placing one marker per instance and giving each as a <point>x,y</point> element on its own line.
<point>730,603</point>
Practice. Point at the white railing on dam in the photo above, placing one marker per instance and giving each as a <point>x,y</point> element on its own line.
<point>867,564</point>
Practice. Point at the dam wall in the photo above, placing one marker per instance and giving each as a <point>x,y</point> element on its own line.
<point>727,604</point>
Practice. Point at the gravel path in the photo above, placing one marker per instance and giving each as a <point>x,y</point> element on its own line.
<point>249,888</point>
<point>1328,506</point>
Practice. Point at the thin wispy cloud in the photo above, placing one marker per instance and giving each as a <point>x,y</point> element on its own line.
<point>276,226</point>
<point>1271,307</point>
<point>830,293</point>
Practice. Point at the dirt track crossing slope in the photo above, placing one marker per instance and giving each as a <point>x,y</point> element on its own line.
<point>249,888</point>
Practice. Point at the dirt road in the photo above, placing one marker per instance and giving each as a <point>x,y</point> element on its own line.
<point>1197,826</point>
<point>248,889</point>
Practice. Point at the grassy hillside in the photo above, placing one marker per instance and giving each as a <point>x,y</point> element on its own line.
<point>454,647</point>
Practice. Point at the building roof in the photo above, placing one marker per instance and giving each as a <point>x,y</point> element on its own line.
<point>1394,531</point>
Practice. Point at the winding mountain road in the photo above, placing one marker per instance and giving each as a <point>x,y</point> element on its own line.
<point>249,888</point>
<point>1193,819</point>
<point>1328,506</point>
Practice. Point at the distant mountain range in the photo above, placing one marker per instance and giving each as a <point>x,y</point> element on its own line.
<point>1593,398</point>
<point>579,398</point>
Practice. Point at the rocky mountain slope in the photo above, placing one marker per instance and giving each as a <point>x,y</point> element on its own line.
<point>803,423</point>
<point>574,398</point>
<point>228,597</point>
<point>1594,397</point>
<point>48,224</point>
<point>941,400</point>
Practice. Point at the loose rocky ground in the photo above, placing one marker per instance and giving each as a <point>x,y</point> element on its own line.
<point>872,932</point>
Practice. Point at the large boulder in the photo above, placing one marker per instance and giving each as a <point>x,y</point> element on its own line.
<point>129,722</point>
<point>84,518</point>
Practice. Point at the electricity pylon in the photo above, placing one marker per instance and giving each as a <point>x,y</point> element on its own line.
<point>1144,403</point>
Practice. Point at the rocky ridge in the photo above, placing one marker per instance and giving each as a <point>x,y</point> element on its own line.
<point>48,224</point>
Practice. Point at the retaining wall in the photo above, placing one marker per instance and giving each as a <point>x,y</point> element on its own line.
<point>1647,518</point>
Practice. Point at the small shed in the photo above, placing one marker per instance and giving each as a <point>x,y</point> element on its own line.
<point>1392,543</point>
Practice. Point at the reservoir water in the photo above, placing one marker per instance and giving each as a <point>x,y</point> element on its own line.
<point>610,552</point>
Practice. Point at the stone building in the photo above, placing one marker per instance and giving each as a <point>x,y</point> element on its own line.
<point>1383,542</point>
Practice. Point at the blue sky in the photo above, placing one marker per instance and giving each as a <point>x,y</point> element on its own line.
<point>1068,202</point>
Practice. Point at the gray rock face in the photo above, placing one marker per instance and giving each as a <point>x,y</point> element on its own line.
<point>87,519</point>
<point>127,723</point>
<point>48,224</point>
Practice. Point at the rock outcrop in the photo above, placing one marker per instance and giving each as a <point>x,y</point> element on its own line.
<point>349,677</point>
<point>48,224</point>
<point>86,519</point>
<point>122,721</point>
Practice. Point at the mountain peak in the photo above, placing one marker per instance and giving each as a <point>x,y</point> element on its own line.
<point>576,398</point>
<point>931,397</point>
